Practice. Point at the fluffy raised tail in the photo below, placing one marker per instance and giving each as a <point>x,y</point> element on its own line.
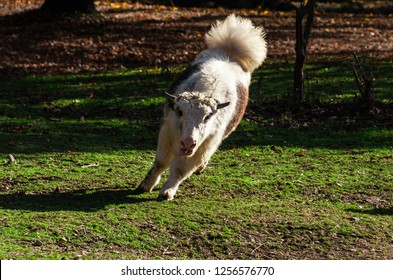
<point>240,39</point>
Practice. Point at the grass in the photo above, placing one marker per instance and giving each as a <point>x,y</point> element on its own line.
<point>327,80</point>
<point>82,143</point>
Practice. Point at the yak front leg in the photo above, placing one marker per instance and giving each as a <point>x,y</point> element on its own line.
<point>170,187</point>
<point>180,170</point>
<point>164,157</point>
<point>152,178</point>
<point>183,167</point>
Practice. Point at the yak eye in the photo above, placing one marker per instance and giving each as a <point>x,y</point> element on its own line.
<point>179,113</point>
<point>207,117</point>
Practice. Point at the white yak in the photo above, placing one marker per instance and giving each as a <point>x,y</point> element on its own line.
<point>206,103</point>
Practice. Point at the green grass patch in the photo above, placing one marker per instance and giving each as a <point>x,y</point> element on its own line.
<point>82,143</point>
<point>326,80</point>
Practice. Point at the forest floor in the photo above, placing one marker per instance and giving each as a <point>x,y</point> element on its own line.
<point>126,35</point>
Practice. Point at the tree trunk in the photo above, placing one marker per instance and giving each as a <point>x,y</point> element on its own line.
<point>298,74</point>
<point>69,6</point>
<point>365,82</point>
<point>302,35</point>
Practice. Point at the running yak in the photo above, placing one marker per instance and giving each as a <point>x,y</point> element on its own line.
<point>206,103</point>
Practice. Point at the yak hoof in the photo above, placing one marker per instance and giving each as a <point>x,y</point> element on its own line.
<point>140,189</point>
<point>164,196</point>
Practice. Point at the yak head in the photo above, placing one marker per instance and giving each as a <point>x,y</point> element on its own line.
<point>196,118</point>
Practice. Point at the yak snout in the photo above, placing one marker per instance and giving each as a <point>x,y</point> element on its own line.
<point>187,146</point>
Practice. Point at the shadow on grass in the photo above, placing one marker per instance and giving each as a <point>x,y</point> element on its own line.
<point>81,113</point>
<point>122,111</point>
<point>80,200</point>
<point>78,137</point>
<point>104,139</point>
<point>375,211</point>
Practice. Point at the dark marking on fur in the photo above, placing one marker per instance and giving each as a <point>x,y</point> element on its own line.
<point>187,73</point>
<point>240,109</point>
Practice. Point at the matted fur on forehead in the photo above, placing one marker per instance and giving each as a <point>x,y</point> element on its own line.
<point>197,100</point>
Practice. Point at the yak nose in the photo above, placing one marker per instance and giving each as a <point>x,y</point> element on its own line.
<point>188,143</point>
<point>187,146</point>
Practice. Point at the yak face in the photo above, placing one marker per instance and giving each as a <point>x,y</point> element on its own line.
<point>195,118</point>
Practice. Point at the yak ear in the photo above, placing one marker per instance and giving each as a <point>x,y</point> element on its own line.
<point>222,105</point>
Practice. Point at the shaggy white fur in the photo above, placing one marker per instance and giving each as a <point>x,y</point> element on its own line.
<point>240,39</point>
<point>206,103</point>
